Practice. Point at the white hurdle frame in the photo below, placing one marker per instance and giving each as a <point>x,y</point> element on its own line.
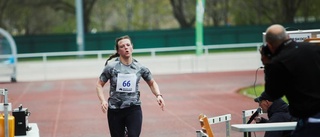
<point>218,119</point>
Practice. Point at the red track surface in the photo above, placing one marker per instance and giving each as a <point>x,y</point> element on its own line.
<point>70,108</point>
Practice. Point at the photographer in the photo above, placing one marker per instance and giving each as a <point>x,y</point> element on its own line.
<point>277,111</point>
<point>294,71</point>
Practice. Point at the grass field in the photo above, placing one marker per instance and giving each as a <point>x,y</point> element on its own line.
<point>255,91</point>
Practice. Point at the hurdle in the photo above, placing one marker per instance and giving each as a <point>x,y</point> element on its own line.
<point>205,123</point>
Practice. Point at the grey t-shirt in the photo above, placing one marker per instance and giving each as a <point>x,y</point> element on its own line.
<point>122,78</point>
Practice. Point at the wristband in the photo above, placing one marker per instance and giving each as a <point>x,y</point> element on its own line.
<point>159,95</point>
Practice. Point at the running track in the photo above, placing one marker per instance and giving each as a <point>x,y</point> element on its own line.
<point>70,108</point>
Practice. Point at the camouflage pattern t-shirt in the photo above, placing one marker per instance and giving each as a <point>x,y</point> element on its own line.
<point>124,83</point>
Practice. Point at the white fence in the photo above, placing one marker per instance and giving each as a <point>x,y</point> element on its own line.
<point>152,51</point>
<point>90,68</point>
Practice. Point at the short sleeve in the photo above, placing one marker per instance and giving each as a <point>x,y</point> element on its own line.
<point>105,75</point>
<point>146,74</point>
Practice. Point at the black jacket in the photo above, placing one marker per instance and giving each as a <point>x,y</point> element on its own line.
<point>294,71</point>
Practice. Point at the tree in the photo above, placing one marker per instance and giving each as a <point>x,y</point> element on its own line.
<point>132,15</point>
<point>272,11</point>
<point>184,12</point>
<point>3,6</point>
<point>42,17</point>
<point>29,17</point>
<point>68,7</point>
<point>290,8</point>
<point>217,12</point>
<point>19,17</point>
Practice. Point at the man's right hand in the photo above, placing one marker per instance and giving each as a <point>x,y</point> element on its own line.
<point>257,119</point>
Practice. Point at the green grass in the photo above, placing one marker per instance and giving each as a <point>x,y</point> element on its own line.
<point>252,91</point>
<point>256,91</point>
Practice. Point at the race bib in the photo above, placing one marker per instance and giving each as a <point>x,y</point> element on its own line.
<point>126,82</point>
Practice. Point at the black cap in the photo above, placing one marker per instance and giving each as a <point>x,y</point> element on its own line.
<point>263,96</point>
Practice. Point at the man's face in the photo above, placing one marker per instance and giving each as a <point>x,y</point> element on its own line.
<point>264,104</point>
<point>264,59</point>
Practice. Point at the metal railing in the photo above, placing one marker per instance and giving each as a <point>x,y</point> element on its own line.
<point>47,69</point>
<point>152,51</point>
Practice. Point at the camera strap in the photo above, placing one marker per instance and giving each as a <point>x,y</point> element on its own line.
<point>287,42</point>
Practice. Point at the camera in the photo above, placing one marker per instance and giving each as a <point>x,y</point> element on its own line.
<point>264,49</point>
